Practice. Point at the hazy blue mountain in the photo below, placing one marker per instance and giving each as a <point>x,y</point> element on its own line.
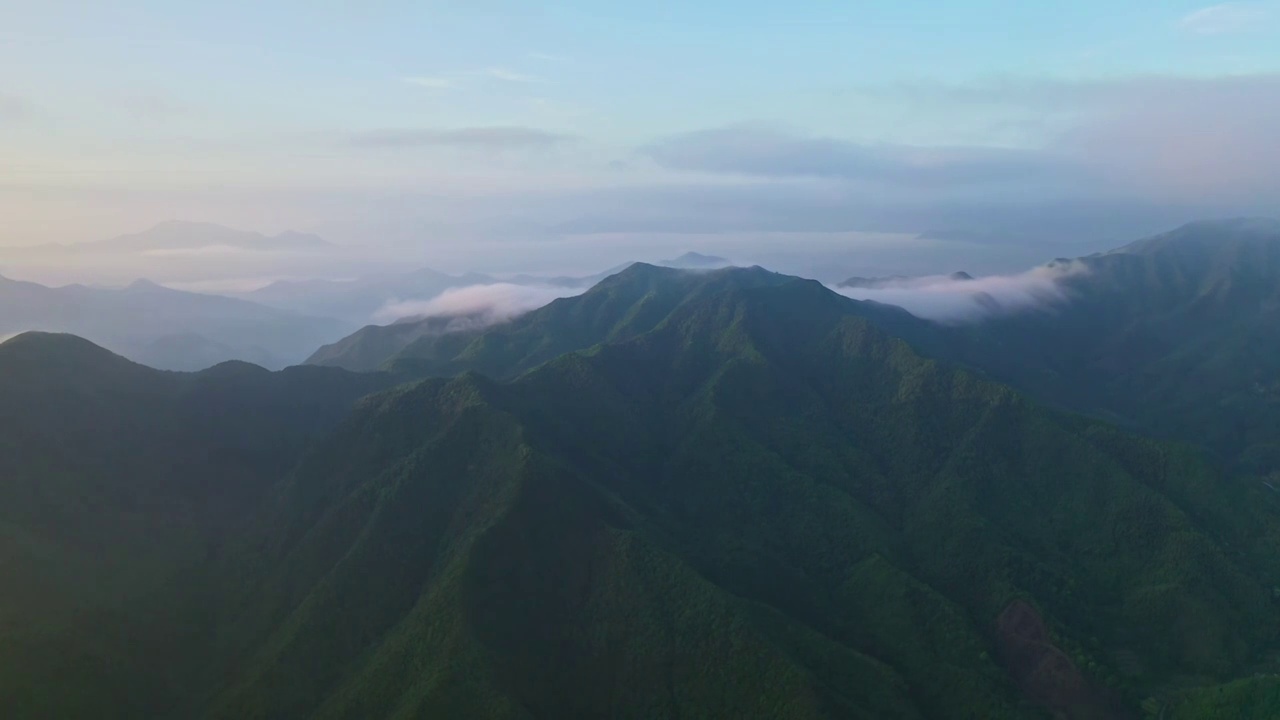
<point>180,235</point>
<point>566,281</point>
<point>696,261</point>
<point>892,280</point>
<point>166,328</point>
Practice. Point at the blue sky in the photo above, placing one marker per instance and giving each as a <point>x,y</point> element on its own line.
<point>619,71</point>
<point>600,116</point>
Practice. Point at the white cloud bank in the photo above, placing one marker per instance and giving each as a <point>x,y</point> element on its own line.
<point>945,299</point>
<point>480,305</point>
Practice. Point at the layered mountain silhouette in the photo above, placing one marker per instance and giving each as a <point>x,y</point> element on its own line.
<point>166,328</point>
<point>680,494</point>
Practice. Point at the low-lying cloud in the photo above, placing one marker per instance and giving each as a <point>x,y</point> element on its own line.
<point>952,300</point>
<point>477,305</point>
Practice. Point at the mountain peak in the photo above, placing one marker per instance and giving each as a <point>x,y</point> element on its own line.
<point>696,261</point>
<point>145,285</point>
<point>648,272</point>
<point>44,349</point>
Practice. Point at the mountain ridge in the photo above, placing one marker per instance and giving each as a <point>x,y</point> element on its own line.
<point>723,372</point>
<point>731,493</point>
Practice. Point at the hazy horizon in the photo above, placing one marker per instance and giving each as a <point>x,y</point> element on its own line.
<point>500,136</point>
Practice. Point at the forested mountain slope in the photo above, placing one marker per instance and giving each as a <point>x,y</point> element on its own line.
<point>734,496</point>
<point>1178,335</point>
<point>762,485</point>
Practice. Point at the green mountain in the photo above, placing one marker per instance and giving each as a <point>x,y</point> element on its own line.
<point>763,506</point>
<point>725,494</point>
<point>1178,335</point>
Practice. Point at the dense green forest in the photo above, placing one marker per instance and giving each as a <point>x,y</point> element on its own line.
<point>1176,335</point>
<point>724,494</point>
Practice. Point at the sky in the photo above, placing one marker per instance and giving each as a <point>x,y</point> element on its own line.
<point>494,131</point>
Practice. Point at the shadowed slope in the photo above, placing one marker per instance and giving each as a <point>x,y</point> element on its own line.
<point>115,479</point>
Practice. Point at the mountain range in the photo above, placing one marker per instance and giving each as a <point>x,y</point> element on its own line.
<point>277,324</point>
<point>1174,335</point>
<point>724,493</point>
<point>166,328</point>
<point>360,300</point>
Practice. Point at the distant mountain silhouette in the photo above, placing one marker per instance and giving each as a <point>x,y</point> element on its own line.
<point>696,261</point>
<point>165,328</point>
<point>892,280</point>
<point>177,235</point>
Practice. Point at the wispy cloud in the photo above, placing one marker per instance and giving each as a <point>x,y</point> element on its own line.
<point>435,82</point>
<point>1226,18</point>
<point>510,76</point>
<point>1155,138</point>
<point>493,137</point>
